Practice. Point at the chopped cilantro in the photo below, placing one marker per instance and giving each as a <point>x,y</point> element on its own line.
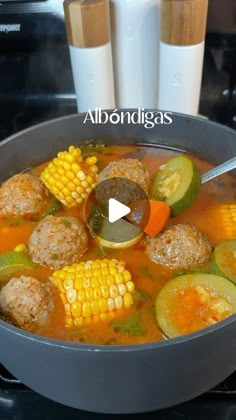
<point>54,256</point>
<point>140,294</point>
<point>95,219</point>
<point>91,148</point>
<point>132,326</point>
<point>146,272</point>
<point>12,221</point>
<point>54,207</point>
<point>162,252</point>
<point>66,223</point>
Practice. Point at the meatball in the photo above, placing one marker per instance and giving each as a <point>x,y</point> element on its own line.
<point>181,247</point>
<point>131,169</point>
<point>22,194</point>
<point>58,241</point>
<point>26,301</point>
<point>128,179</point>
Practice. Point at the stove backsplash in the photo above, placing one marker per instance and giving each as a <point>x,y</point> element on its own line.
<point>35,74</point>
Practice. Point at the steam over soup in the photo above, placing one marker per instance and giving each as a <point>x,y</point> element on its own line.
<point>165,268</point>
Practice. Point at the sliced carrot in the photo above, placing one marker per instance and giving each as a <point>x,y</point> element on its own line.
<point>159,215</point>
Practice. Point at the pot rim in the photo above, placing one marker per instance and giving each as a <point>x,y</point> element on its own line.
<point>201,120</point>
<point>170,342</point>
<point>115,348</point>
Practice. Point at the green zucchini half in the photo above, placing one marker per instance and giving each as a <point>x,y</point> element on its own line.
<point>177,183</point>
<point>172,311</point>
<point>12,263</point>
<point>224,260</point>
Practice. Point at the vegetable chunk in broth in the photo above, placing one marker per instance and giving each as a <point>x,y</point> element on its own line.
<point>174,276</point>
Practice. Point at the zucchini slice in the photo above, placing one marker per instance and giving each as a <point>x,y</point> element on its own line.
<point>191,302</point>
<point>225,259</point>
<point>120,234</point>
<point>178,184</point>
<point>12,263</point>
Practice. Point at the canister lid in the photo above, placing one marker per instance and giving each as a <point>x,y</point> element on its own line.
<point>87,22</point>
<point>183,22</point>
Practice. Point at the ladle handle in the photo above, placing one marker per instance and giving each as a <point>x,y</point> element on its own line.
<point>227,166</point>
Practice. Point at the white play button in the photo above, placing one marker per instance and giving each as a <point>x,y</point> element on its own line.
<point>117,210</point>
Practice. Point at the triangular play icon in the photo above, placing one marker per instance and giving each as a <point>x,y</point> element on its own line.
<point>117,210</point>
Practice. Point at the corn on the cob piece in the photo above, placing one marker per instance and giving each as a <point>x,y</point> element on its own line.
<point>93,290</point>
<point>224,216</point>
<point>70,178</point>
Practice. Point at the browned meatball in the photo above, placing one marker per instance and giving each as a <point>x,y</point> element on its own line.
<point>127,180</point>
<point>26,301</point>
<point>131,169</point>
<point>22,194</point>
<point>181,247</point>
<point>57,241</point>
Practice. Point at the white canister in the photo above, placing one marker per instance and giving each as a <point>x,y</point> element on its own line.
<point>88,33</point>
<point>183,27</point>
<point>135,27</point>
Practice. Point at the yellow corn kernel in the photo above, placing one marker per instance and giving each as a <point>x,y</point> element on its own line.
<point>89,292</point>
<point>67,310</point>
<point>68,283</point>
<point>110,304</point>
<point>21,248</point>
<point>69,322</point>
<point>127,276</point>
<point>71,295</point>
<point>76,309</point>
<point>91,161</point>
<point>102,280</point>
<point>119,279</point>
<point>105,291</point>
<point>113,291</point>
<point>81,296</point>
<point>86,310</point>
<point>118,301</point>
<point>224,217</point>
<point>69,178</point>
<point>103,305</point>
<point>110,280</point>
<point>75,168</point>
<point>95,307</point>
<point>78,321</point>
<point>128,300</point>
<point>130,286</point>
<point>97,293</point>
<point>78,283</point>
<point>86,282</point>
<point>122,289</point>
<point>94,282</point>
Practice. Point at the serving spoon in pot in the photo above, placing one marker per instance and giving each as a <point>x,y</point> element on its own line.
<point>227,166</point>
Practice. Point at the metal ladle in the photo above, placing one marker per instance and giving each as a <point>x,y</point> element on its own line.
<point>227,166</point>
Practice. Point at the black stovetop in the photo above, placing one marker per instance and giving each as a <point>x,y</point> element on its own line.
<point>18,402</point>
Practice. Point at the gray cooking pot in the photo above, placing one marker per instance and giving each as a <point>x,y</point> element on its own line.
<point>119,379</point>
